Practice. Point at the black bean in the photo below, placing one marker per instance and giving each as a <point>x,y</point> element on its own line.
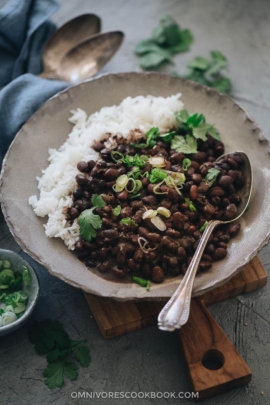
<point>74,212</point>
<point>83,166</point>
<point>230,212</point>
<point>176,158</point>
<point>172,233</point>
<point>149,200</point>
<point>219,253</point>
<point>225,181</point>
<point>153,237</point>
<point>196,178</point>
<point>81,179</point>
<point>91,164</point>
<point>79,245</point>
<point>110,234</point>
<point>111,174</point>
<point>138,255</point>
<point>97,146</point>
<point>146,270</point>
<point>205,265</point>
<point>193,192</point>
<point>234,229</point>
<point>216,191</point>
<point>158,275</point>
<point>232,163</point>
<point>123,195</point>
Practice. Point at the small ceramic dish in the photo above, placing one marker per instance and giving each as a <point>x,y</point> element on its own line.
<point>17,263</point>
<point>49,128</point>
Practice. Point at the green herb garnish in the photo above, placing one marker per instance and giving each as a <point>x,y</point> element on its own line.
<point>191,205</point>
<point>183,144</point>
<point>98,201</point>
<point>167,138</point>
<point>202,228</point>
<point>167,40</point>
<point>130,161</point>
<point>209,72</point>
<point>196,125</point>
<point>157,175</point>
<point>150,136</point>
<point>186,164</point>
<point>50,338</point>
<point>129,221</point>
<point>117,210</point>
<point>141,281</point>
<point>89,223</point>
<point>211,176</point>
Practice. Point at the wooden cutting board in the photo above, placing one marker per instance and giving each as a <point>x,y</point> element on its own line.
<point>213,362</point>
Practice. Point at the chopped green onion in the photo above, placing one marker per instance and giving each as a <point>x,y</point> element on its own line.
<point>186,164</point>
<point>141,281</point>
<point>6,264</point>
<point>121,183</point>
<point>157,175</point>
<point>135,196</point>
<point>117,210</point>
<point>133,185</point>
<point>26,276</point>
<point>191,206</point>
<point>129,221</point>
<point>157,186</point>
<point>202,228</point>
<point>114,153</point>
<point>167,138</point>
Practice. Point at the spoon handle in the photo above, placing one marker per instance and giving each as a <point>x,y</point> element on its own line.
<point>176,311</point>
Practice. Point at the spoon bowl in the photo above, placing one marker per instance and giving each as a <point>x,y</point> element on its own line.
<point>87,58</point>
<point>65,38</point>
<point>176,311</point>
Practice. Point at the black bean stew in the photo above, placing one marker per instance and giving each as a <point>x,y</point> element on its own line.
<point>151,228</point>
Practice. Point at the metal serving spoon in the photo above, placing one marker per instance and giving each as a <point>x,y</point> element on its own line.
<point>176,311</point>
<point>87,58</point>
<point>66,37</point>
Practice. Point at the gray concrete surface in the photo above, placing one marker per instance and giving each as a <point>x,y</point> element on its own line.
<point>149,360</point>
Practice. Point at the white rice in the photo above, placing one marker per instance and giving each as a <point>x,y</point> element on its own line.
<point>131,118</point>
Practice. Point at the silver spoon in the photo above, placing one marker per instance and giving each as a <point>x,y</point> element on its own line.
<point>66,37</point>
<point>176,311</point>
<point>87,58</point>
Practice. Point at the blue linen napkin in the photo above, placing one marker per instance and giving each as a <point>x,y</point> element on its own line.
<point>24,31</point>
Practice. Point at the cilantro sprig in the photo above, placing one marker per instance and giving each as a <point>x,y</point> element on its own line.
<point>196,125</point>
<point>209,72</point>
<point>150,136</point>
<point>50,338</point>
<point>167,40</point>
<point>183,144</point>
<point>212,176</point>
<point>89,222</point>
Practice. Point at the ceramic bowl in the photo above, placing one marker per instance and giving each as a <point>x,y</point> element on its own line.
<point>17,262</point>
<point>49,128</point>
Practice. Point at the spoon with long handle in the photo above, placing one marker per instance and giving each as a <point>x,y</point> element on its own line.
<point>176,311</point>
<point>87,58</point>
<point>66,37</point>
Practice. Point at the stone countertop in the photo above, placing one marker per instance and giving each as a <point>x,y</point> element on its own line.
<point>149,360</point>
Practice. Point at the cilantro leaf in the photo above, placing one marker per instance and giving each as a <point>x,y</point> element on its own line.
<point>153,59</point>
<point>167,138</point>
<point>46,335</point>
<point>183,144</point>
<point>54,375</point>
<point>167,40</point>
<point>196,125</point>
<point>56,354</point>
<point>209,72</point>
<point>70,370</point>
<point>89,223</point>
<point>83,356</point>
<point>129,221</point>
<point>98,201</point>
<point>211,176</point>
